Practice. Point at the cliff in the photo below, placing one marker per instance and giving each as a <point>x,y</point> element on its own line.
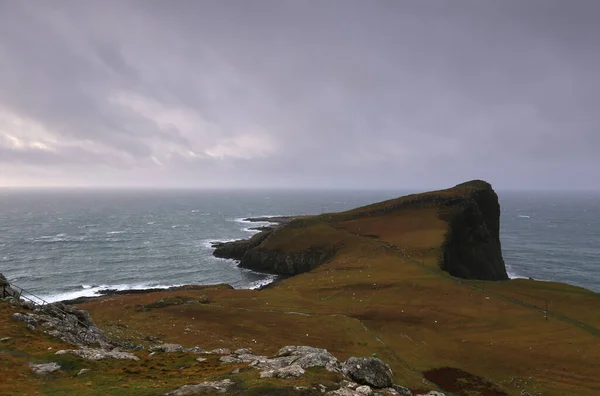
<point>470,248</point>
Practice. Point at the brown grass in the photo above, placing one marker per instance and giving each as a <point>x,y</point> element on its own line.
<point>370,299</point>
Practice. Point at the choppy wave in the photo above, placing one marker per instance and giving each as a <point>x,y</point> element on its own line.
<point>94,291</point>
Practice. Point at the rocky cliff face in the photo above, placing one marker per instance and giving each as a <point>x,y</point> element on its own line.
<point>472,247</point>
<point>253,254</point>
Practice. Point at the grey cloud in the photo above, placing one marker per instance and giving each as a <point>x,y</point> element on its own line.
<point>343,93</point>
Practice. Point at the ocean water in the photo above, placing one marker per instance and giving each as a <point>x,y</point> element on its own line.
<point>65,244</point>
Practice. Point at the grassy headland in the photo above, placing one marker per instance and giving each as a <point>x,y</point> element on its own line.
<point>382,289</point>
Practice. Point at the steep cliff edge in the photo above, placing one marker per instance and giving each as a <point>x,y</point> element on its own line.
<point>472,247</point>
<point>469,212</point>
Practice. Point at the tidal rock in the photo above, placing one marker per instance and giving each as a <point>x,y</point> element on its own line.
<point>98,354</point>
<point>201,359</point>
<point>292,371</point>
<point>432,393</point>
<point>368,371</point>
<point>5,339</point>
<point>243,351</point>
<point>45,368</point>
<point>82,372</point>
<point>205,387</point>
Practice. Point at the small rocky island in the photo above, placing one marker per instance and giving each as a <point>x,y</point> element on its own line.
<point>404,297</point>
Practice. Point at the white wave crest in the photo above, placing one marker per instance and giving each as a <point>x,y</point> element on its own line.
<point>94,291</point>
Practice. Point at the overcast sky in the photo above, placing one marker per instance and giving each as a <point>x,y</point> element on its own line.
<point>371,94</point>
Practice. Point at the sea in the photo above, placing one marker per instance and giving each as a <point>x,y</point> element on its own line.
<point>63,244</point>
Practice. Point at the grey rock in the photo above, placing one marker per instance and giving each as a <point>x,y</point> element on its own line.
<point>364,390</point>
<point>29,319</point>
<point>30,305</point>
<point>292,371</point>
<point>401,390</point>
<point>236,371</point>
<point>45,368</point>
<point>432,393</point>
<point>243,351</point>
<point>348,384</point>
<point>168,348</point>
<point>82,372</point>
<point>220,351</point>
<point>205,387</point>
<point>201,359</point>
<point>305,357</point>
<point>250,358</point>
<point>5,339</point>
<point>343,392</point>
<point>98,354</point>
<point>194,350</point>
<point>229,359</point>
<point>66,324</point>
<point>368,371</point>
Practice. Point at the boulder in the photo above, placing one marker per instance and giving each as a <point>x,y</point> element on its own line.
<point>292,371</point>
<point>229,359</point>
<point>44,368</point>
<point>368,371</point>
<point>205,387</point>
<point>300,356</point>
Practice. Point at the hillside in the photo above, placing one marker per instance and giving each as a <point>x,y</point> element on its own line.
<point>418,281</point>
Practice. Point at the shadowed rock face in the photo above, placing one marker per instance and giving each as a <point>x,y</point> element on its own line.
<point>472,247</point>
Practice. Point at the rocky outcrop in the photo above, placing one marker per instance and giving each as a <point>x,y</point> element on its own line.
<point>5,289</point>
<point>99,354</point>
<point>237,249</point>
<point>69,324</point>
<point>472,247</point>
<point>302,356</point>
<point>210,387</point>
<point>368,371</point>
<point>175,348</point>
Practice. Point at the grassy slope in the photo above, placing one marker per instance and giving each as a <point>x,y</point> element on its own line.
<point>381,294</point>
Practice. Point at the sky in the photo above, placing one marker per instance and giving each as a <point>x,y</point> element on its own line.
<point>411,94</point>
